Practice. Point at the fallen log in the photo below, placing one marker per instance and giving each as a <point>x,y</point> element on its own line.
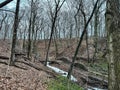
<point>64,59</point>
<point>80,66</point>
<point>4,57</point>
<point>35,66</point>
<point>95,81</point>
<point>80,58</point>
<point>20,54</point>
<point>77,65</point>
<point>26,58</point>
<point>93,73</point>
<point>5,77</point>
<point>51,62</point>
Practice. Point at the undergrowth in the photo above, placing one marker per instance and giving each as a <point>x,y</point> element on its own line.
<point>62,83</point>
<point>101,67</point>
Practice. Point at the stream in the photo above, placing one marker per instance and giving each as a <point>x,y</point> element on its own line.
<point>64,73</point>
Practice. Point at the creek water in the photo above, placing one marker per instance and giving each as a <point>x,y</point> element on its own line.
<point>64,73</point>
<point>96,89</point>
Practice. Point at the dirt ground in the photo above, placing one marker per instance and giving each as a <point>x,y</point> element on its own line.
<point>24,77</point>
<point>12,78</point>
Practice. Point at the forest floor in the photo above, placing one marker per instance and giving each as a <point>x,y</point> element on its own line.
<point>33,75</point>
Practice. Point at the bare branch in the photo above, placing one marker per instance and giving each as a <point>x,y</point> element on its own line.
<point>61,5</point>
<point>5,3</point>
<point>7,10</point>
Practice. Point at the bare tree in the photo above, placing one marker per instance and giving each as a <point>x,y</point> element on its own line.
<point>6,28</point>
<point>12,58</point>
<point>81,39</point>
<point>3,20</point>
<point>31,29</point>
<point>54,15</point>
<point>96,23</point>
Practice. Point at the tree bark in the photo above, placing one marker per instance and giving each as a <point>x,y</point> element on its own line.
<point>29,51</point>
<point>16,22</point>
<point>113,38</point>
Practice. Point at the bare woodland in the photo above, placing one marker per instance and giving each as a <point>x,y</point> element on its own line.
<point>41,40</point>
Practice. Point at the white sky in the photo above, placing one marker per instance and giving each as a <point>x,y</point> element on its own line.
<point>12,4</point>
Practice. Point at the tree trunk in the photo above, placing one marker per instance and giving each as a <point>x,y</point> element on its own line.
<point>95,34</point>
<point>16,22</point>
<point>54,17</point>
<point>29,38</point>
<point>87,47</point>
<point>52,31</point>
<point>29,51</point>
<point>56,46</point>
<point>80,42</point>
<point>113,37</point>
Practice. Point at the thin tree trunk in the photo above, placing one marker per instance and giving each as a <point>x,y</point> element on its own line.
<point>29,51</point>
<point>29,39</point>
<point>87,47</point>
<point>52,31</point>
<point>79,44</point>
<point>54,17</point>
<point>16,22</point>
<point>56,47</point>
<point>95,35</point>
